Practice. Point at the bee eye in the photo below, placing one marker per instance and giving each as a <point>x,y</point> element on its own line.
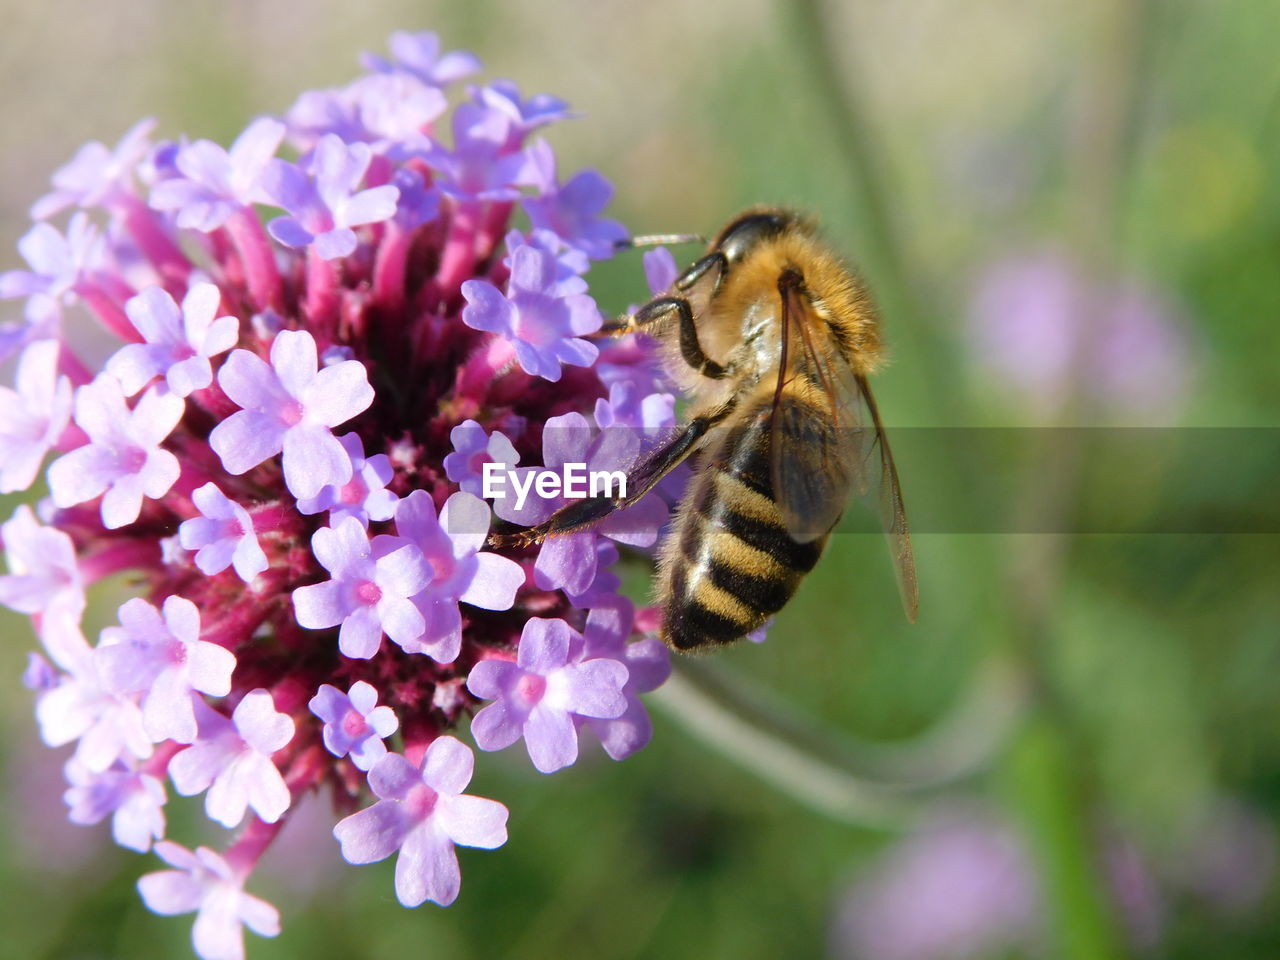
<point>741,236</point>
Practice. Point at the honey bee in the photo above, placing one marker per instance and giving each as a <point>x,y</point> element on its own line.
<point>772,339</point>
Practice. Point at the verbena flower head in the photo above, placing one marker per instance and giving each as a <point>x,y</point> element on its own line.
<point>326,331</point>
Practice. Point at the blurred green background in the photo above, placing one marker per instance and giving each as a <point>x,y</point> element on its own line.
<point>1136,706</point>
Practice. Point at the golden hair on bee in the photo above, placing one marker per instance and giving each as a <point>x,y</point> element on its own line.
<point>772,338</point>
<point>835,294</point>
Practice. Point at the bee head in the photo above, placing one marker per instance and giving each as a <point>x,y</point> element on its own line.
<point>746,232</point>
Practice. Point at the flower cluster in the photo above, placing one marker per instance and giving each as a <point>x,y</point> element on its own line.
<point>324,331</point>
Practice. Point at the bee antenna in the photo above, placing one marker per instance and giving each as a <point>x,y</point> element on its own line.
<point>658,239</point>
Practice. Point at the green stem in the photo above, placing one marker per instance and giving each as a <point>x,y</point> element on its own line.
<point>1052,780</point>
<point>1054,815</point>
<point>868,784</point>
<point>789,766</point>
<point>825,48</point>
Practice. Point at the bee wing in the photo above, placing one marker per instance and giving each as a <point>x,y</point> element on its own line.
<point>884,487</point>
<point>827,441</point>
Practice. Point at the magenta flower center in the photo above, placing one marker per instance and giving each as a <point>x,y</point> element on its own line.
<point>132,459</point>
<point>353,724</point>
<point>531,688</point>
<point>291,413</point>
<point>368,592</point>
<point>354,492</point>
<point>532,324</point>
<point>441,567</point>
<point>420,802</point>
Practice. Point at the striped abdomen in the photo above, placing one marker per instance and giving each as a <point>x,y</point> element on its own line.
<point>729,563</point>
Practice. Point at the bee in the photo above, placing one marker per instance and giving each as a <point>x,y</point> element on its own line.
<point>772,338</point>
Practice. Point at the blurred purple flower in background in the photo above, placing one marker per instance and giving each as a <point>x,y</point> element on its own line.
<point>961,887</point>
<point>1229,858</point>
<point>965,885</point>
<point>268,555</point>
<point>209,885</point>
<point>1051,333</point>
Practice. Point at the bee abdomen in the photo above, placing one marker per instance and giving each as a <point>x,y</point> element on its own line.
<point>734,565</point>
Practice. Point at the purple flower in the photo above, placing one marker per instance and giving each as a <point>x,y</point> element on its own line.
<point>963,887</point>
<point>525,115</point>
<point>571,263</point>
<point>419,54</point>
<point>34,415</point>
<point>204,882</point>
<point>216,183</point>
<point>571,210</point>
<point>40,674</point>
<point>473,448</point>
<point>396,109</point>
<point>631,360</point>
<point>652,417</point>
<point>369,592</point>
<point>222,536</point>
<point>365,496</point>
<point>179,341</point>
<point>660,270</point>
<point>353,722</point>
<point>460,573</point>
<point>1143,360</point>
<point>648,665</point>
<point>604,585</point>
<point>1228,858</point>
<point>134,800</point>
<point>417,204</point>
<point>290,407</point>
<point>58,265</point>
<point>543,324</point>
<point>232,760</point>
<point>481,165</point>
<point>323,211</point>
<point>422,813</point>
<point>1049,330</point>
<point>97,175</point>
<point>166,661</point>
<point>568,561</point>
<point>105,726</point>
<point>539,695</point>
<point>628,406</point>
<point>123,460</point>
<point>390,112</point>
<point>43,573</point>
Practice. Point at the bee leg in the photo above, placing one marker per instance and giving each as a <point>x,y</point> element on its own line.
<point>711,267</point>
<point>583,513</point>
<point>665,309</point>
<point>703,268</point>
